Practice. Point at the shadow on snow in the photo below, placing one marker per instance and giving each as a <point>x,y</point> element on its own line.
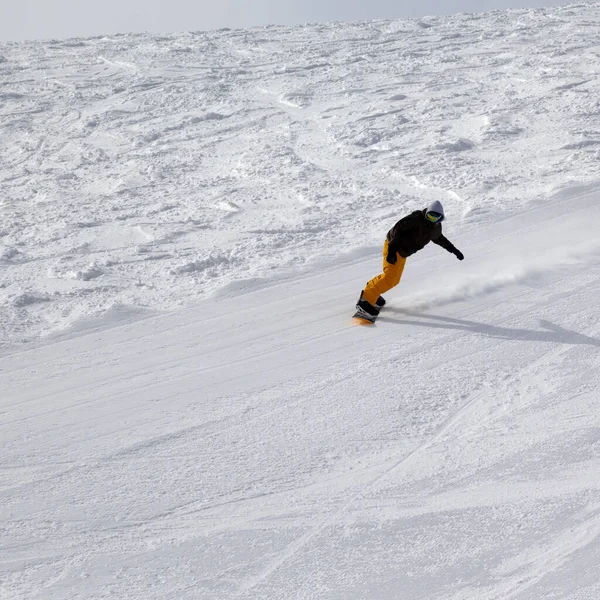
<point>549,332</point>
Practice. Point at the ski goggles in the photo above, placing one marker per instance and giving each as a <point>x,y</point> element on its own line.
<point>434,217</point>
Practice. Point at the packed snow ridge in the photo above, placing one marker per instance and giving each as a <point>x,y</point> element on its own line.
<point>148,171</point>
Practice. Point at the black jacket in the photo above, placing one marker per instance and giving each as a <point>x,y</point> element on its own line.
<point>414,232</point>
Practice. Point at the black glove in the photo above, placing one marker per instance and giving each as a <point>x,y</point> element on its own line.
<point>392,255</point>
<point>458,254</point>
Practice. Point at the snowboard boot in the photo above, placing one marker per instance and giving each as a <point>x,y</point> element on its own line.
<point>368,308</point>
<point>380,303</point>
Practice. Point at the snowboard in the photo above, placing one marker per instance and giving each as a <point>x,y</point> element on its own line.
<point>363,317</point>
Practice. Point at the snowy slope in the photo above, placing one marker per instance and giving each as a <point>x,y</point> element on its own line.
<point>265,447</point>
<point>255,443</point>
<point>140,173</point>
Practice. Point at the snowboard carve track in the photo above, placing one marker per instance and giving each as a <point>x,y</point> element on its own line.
<point>297,545</point>
<point>550,559</point>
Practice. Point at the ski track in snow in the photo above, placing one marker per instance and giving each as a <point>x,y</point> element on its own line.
<point>186,409</point>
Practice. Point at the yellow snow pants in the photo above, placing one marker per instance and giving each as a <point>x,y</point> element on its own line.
<point>387,280</point>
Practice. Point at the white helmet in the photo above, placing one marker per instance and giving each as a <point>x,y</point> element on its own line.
<point>434,213</point>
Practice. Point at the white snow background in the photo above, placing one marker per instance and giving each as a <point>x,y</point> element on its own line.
<point>186,221</point>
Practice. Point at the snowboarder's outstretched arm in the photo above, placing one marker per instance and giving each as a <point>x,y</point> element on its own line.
<point>446,244</point>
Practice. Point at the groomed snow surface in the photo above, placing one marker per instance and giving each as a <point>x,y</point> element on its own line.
<point>187,410</point>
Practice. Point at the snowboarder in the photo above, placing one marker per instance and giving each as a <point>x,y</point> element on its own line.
<point>407,236</point>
